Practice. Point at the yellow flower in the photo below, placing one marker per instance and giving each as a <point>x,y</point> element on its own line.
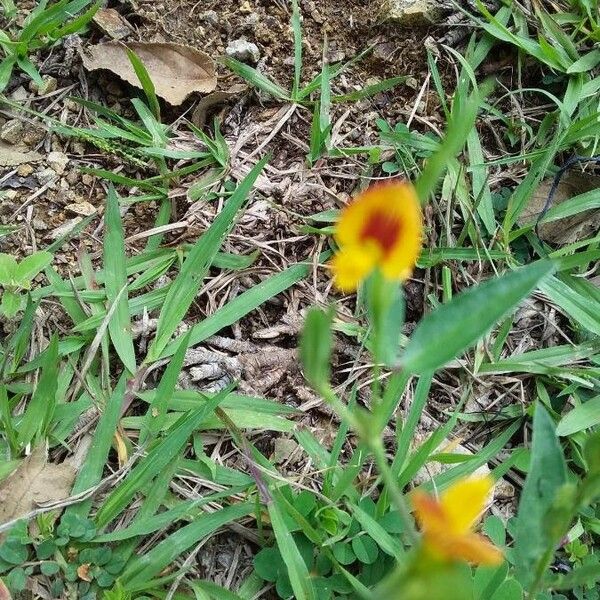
<point>447,523</point>
<point>382,227</point>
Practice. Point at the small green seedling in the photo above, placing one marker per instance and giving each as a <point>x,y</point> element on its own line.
<point>17,277</point>
<point>43,27</point>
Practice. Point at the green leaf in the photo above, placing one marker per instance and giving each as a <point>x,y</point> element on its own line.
<point>582,417</point>
<point>586,63</point>
<point>268,564</point>
<point>156,461</point>
<point>315,347</point>
<point>297,570</point>
<point>157,411</point>
<point>547,474</point>
<point>91,471</point>
<point>365,548</point>
<point>508,590</point>
<point>8,269</point>
<point>184,289</point>
<point>10,304</point>
<point>39,411</point>
<point>115,282</point>
<point>456,326</point>
<point>30,266</point>
<point>142,569</point>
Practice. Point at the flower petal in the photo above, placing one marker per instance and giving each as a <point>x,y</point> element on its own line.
<point>475,549</point>
<point>352,264</point>
<point>464,502</point>
<point>429,513</point>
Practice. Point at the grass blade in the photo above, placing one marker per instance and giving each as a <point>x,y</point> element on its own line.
<point>458,324</point>
<point>184,289</point>
<point>115,281</point>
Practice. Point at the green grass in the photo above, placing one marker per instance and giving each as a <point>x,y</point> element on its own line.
<point>151,489</point>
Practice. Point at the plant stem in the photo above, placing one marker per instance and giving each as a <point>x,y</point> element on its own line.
<point>383,466</point>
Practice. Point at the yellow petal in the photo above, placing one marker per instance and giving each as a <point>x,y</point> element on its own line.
<point>352,264</point>
<point>475,549</point>
<point>464,502</point>
<point>429,513</point>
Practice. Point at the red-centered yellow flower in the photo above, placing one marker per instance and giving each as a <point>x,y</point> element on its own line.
<point>447,523</point>
<point>381,228</point>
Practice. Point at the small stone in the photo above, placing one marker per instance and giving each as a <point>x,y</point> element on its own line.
<point>49,84</point>
<point>72,177</point>
<point>19,94</point>
<point>245,7</point>
<point>283,450</point>
<point>38,224</point>
<point>25,170</point>
<point>243,50</point>
<point>251,20</point>
<point>12,131</point>
<point>71,105</point>
<point>78,148</point>
<point>45,176</point>
<point>84,208</point>
<point>32,135</point>
<point>58,162</point>
<point>65,228</point>
<point>87,179</point>
<point>211,17</point>
<point>112,23</point>
<point>415,12</point>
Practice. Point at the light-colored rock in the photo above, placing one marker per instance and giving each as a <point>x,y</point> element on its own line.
<point>49,84</point>
<point>414,12</point>
<point>112,23</point>
<point>243,50</point>
<point>25,170</point>
<point>45,176</point>
<point>12,131</point>
<point>58,162</point>
<point>84,208</point>
<point>65,228</point>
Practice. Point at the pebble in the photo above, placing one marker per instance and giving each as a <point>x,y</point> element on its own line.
<point>19,94</point>
<point>32,135</point>
<point>58,162</point>
<point>413,12</point>
<point>49,84</point>
<point>112,23</point>
<point>243,50</point>
<point>45,176</point>
<point>65,228</point>
<point>83,208</point>
<point>12,131</point>
<point>245,7</point>
<point>211,17</point>
<point>25,170</point>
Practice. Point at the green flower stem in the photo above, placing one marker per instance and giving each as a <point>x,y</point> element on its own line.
<point>376,447</point>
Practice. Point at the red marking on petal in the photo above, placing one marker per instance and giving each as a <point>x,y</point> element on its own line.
<point>382,229</point>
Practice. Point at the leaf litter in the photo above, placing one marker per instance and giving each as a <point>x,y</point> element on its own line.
<point>33,483</point>
<point>176,70</point>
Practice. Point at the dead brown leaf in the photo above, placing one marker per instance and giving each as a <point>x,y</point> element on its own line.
<point>176,70</point>
<point>570,229</point>
<point>35,481</point>
<point>83,572</point>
